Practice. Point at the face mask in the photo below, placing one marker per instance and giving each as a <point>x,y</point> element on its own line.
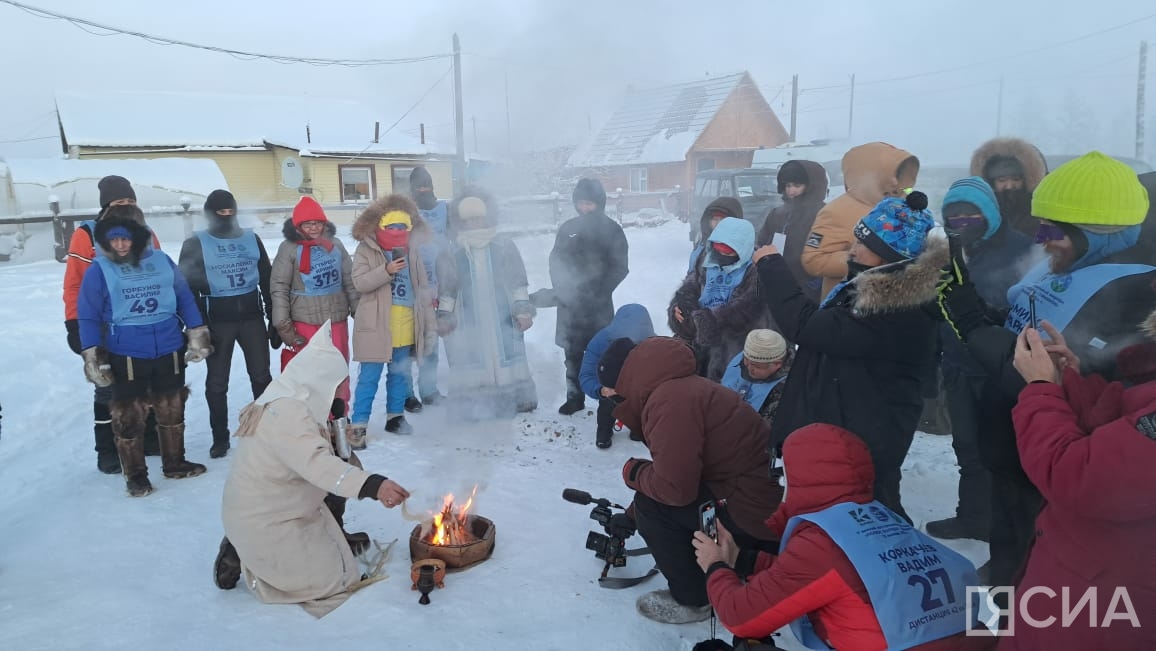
<point>967,230</point>
<point>426,200</point>
<point>855,268</point>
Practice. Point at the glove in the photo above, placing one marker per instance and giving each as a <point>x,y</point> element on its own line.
<point>200,345</point>
<point>289,335</point>
<point>962,307</point>
<point>96,367</point>
<point>621,525</point>
<point>630,471</point>
<point>274,337</point>
<point>73,328</point>
<point>523,322</point>
<point>447,322</point>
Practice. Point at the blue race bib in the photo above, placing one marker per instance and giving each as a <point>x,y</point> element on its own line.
<point>918,586</point>
<point>143,294</point>
<point>230,263</point>
<point>719,285</point>
<point>324,275</point>
<point>437,217</point>
<point>754,393</point>
<point>1060,297</point>
<point>402,286</point>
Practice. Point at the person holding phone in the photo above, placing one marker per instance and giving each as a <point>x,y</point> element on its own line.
<point>395,320</point>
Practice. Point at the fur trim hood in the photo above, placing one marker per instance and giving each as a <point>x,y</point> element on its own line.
<point>903,285</point>
<point>141,238</point>
<point>365,227</point>
<point>872,170</point>
<point>293,235</point>
<point>453,225</point>
<point>1035,167</point>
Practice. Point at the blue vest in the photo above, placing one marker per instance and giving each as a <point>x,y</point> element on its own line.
<point>436,217</point>
<point>1059,297</point>
<point>140,295</point>
<point>720,284</point>
<point>402,285</point>
<point>324,275</point>
<point>917,586</point>
<point>230,263</point>
<point>755,393</point>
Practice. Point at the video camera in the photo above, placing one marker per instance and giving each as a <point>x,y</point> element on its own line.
<point>609,547</point>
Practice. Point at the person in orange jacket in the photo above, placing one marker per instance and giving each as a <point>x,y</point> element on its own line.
<point>114,191</point>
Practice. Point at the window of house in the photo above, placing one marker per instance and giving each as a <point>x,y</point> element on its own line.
<point>638,180</point>
<point>400,176</point>
<point>357,183</point>
<point>705,164</point>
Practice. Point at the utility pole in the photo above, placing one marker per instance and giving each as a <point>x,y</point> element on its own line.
<point>999,109</point>
<point>459,120</point>
<point>474,119</point>
<point>851,110</point>
<point>509,131</point>
<point>794,104</point>
<point>1140,91</point>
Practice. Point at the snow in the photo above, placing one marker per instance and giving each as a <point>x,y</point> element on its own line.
<point>156,181</point>
<point>175,119</point>
<point>82,566</point>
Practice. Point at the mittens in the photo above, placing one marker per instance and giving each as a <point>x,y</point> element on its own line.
<point>96,367</point>
<point>200,345</point>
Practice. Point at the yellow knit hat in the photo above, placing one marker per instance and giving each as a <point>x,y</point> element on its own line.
<point>1092,190</point>
<point>396,217</point>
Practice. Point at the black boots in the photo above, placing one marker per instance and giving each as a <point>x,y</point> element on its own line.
<point>572,406</point>
<point>955,528</point>
<point>220,446</point>
<point>358,541</point>
<point>227,568</point>
<point>107,459</point>
<point>398,425</point>
<point>413,405</point>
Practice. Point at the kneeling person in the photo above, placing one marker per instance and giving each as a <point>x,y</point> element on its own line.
<point>758,373</point>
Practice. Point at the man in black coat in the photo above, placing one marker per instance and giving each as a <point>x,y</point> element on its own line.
<point>588,262</point>
<point>228,270</point>
<point>865,352</point>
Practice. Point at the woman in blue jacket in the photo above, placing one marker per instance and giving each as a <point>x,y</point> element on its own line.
<point>133,308</point>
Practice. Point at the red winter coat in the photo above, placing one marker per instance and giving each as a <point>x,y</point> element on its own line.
<point>826,465</point>
<point>1089,447</point>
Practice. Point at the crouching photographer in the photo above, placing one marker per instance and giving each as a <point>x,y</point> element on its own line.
<point>707,446</point>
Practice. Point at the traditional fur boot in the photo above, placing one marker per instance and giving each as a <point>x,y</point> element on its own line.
<point>227,568</point>
<point>173,462</point>
<point>128,423</point>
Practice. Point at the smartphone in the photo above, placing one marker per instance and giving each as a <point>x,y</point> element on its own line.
<point>1032,311</point>
<point>398,253</point>
<point>708,519</point>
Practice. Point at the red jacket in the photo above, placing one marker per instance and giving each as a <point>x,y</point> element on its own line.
<point>826,465</point>
<point>1084,445</point>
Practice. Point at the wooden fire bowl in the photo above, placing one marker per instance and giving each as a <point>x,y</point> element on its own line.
<point>456,557</point>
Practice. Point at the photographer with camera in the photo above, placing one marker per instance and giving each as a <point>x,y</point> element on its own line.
<point>706,445</point>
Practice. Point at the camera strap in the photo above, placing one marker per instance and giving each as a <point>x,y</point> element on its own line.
<point>620,582</point>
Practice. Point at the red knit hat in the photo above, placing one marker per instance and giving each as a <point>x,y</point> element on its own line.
<point>308,210</point>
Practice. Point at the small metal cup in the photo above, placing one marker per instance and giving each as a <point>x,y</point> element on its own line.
<point>338,430</point>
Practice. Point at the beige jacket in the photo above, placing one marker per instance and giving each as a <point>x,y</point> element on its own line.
<point>291,548</point>
<point>372,340</point>
<point>285,280</point>
<point>870,172</point>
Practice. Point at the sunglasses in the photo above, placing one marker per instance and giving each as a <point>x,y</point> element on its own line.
<point>965,223</point>
<point>1049,233</point>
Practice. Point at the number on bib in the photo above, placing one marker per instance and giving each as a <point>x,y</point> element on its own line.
<point>927,583</point>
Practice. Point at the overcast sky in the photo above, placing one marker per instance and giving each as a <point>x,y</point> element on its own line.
<point>568,63</point>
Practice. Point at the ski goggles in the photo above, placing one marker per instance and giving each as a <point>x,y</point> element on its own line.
<point>1049,232</point>
<point>966,223</point>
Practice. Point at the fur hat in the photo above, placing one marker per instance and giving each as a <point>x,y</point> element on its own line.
<point>792,171</point>
<point>764,346</point>
<point>308,210</point>
<point>896,229</point>
<point>113,188</point>
<point>472,208</point>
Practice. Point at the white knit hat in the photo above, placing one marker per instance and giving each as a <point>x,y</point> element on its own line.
<point>764,347</point>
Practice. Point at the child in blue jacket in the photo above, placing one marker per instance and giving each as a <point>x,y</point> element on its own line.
<point>632,322</point>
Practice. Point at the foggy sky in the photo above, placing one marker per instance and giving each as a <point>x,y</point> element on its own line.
<point>568,63</point>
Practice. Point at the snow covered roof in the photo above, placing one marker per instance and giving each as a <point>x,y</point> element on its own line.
<point>659,125</point>
<point>197,120</point>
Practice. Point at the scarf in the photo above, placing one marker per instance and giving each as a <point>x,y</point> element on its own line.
<point>391,238</point>
<point>306,264</point>
<point>476,238</point>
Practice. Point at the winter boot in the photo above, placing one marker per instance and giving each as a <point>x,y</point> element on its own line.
<point>173,462</point>
<point>220,446</point>
<point>358,541</point>
<point>398,425</point>
<point>356,436</point>
<point>955,528</point>
<point>227,568</point>
<point>107,459</point>
<point>413,405</point>
<point>572,406</point>
<point>432,399</point>
<point>604,438</point>
<point>661,607</point>
<point>132,464</point>
<point>152,446</point>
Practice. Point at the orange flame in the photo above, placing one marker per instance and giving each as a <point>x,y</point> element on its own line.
<point>443,520</point>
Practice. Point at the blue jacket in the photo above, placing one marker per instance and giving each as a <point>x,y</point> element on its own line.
<point>94,309</point>
<point>632,321</point>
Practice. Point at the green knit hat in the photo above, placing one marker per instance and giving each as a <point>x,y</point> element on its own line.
<point>1092,190</point>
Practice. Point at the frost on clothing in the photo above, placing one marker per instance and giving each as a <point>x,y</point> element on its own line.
<point>631,321</point>
<point>147,317</point>
<point>812,576</point>
<point>1090,447</point>
<point>718,332</point>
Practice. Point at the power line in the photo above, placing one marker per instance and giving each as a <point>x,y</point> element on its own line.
<point>11,142</point>
<point>407,111</point>
<point>110,30</point>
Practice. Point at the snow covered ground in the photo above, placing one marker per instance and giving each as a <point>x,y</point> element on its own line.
<point>82,566</point>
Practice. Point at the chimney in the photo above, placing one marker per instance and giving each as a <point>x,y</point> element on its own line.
<point>376,132</point>
<point>308,136</point>
<point>423,133</point>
